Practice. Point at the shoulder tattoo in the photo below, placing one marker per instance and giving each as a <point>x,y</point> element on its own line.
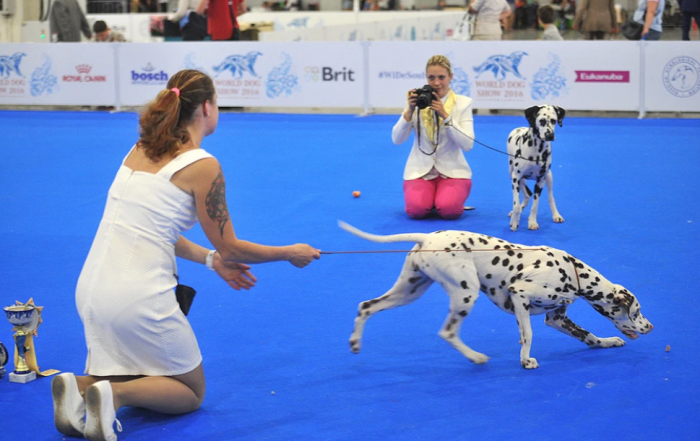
<point>216,202</point>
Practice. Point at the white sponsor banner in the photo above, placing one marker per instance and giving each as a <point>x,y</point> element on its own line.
<point>249,74</point>
<point>56,74</point>
<point>513,74</point>
<point>672,76</point>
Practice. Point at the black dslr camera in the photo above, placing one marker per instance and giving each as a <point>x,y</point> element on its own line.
<point>425,96</point>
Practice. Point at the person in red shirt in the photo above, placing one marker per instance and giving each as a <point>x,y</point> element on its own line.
<point>222,17</point>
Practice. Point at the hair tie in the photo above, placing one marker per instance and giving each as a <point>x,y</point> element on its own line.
<point>176,90</point>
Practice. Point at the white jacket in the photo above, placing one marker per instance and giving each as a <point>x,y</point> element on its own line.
<point>456,134</point>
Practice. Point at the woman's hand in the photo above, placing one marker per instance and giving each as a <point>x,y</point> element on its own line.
<point>438,107</point>
<point>412,98</point>
<point>237,275</point>
<point>302,254</point>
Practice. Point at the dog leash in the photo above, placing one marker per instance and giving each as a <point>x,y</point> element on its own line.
<point>450,124</point>
<point>446,250</point>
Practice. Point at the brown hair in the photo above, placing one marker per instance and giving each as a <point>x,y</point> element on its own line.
<point>163,122</point>
<point>440,60</point>
<point>546,14</point>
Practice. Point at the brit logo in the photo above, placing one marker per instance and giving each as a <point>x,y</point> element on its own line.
<point>84,76</point>
<point>681,77</point>
<point>148,76</point>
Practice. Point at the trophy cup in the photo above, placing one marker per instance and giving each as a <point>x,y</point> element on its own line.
<point>25,318</point>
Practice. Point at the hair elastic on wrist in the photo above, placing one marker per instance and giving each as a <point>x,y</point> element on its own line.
<point>176,90</point>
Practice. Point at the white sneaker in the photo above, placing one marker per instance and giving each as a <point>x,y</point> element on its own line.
<point>100,416</point>
<point>68,405</point>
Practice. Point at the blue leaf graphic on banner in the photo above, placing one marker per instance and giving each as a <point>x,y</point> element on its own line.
<point>547,80</point>
<point>280,81</point>
<point>42,80</point>
<point>460,82</point>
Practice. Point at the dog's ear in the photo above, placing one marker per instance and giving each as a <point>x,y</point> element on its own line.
<point>560,114</point>
<point>531,115</point>
<point>621,296</point>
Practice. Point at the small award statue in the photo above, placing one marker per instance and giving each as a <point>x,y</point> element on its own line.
<point>25,317</point>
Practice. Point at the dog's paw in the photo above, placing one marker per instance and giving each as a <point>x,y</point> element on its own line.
<point>610,342</point>
<point>479,358</point>
<point>514,223</point>
<point>529,363</point>
<point>558,219</point>
<point>533,225</point>
<point>355,346</point>
<point>510,214</point>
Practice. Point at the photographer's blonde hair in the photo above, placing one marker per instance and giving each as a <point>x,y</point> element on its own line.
<point>440,60</point>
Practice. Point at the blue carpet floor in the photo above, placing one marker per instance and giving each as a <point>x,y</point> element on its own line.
<point>276,357</point>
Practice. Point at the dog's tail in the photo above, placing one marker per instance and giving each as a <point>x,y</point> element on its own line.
<point>408,237</point>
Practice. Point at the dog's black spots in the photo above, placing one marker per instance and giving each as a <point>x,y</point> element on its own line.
<point>520,255</point>
<point>492,291</point>
<point>566,259</point>
<point>466,300</point>
<point>509,138</point>
<point>519,276</point>
<point>557,289</point>
<point>550,254</point>
<point>495,260</point>
<point>610,296</point>
<point>484,288</point>
<point>584,275</point>
<point>517,164</point>
<point>507,247</point>
<point>415,268</point>
<point>550,264</point>
<point>447,250</point>
<point>520,267</point>
<point>453,245</point>
<point>529,158</point>
<point>510,268</point>
<point>527,306</point>
<point>503,283</point>
<point>466,248</point>
<point>509,304</point>
<point>414,279</point>
<point>554,296</point>
<point>488,276</point>
<point>511,253</point>
<point>538,262</point>
<point>464,284</point>
<point>597,279</point>
<point>506,261</point>
<point>512,279</point>
<point>471,242</point>
<point>484,241</point>
<point>529,143</point>
<point>497,247</point>
<point>463,313</point>
<point>511,162</point>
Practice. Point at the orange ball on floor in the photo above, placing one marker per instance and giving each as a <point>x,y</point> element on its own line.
<point>356,193</point>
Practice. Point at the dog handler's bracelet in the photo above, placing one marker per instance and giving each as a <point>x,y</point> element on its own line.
<point>209,261</point>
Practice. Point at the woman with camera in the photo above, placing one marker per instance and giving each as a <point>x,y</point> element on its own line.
<point>436,174</point>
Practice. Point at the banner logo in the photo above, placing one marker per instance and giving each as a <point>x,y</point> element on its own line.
<point>327,73</point>
<point>549,80</point>
<point>84,75</point>
<point>280,82</point>
<point>501,65</point>
<point>10,64</point>
<point>602,76</point>
<point>148,75</point>
<point>238,65</point>
<point>681,77</point>
<point>43,81</point>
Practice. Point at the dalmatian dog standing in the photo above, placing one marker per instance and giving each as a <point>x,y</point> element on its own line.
<point>531,159</point>
<point>520,280</point>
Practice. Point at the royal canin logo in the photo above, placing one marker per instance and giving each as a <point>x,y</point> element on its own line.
<point>84,75</point>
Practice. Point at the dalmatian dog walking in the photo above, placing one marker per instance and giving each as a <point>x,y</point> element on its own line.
<point>520,280</point>
<point>531,159</point>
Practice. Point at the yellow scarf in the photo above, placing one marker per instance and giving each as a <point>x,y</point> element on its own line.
<point>427,115</point>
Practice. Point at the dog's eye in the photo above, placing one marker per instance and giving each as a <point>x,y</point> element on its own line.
<point>553,121</point>
<point>543,121</point>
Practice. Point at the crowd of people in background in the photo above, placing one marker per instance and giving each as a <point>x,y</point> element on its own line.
<point>196,20</point>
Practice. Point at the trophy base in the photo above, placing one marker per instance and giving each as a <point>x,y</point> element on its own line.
<point>22,378</point>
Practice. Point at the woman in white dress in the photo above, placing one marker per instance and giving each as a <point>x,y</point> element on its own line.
<point>489,14</point>
<point>141,349</point>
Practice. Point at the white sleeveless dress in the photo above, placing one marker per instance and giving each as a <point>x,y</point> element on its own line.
<point>125,294</point>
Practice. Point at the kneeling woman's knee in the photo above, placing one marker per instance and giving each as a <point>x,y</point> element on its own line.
<point>416,211</point>
<point>450,211</point>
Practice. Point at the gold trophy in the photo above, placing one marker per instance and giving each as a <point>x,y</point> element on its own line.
<point>25,317</point>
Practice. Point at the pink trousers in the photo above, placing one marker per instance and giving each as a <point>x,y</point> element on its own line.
<point>446,195</point>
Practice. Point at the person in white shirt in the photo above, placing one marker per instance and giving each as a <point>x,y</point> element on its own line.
<point>436,174</point>
<point>489,14</point>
